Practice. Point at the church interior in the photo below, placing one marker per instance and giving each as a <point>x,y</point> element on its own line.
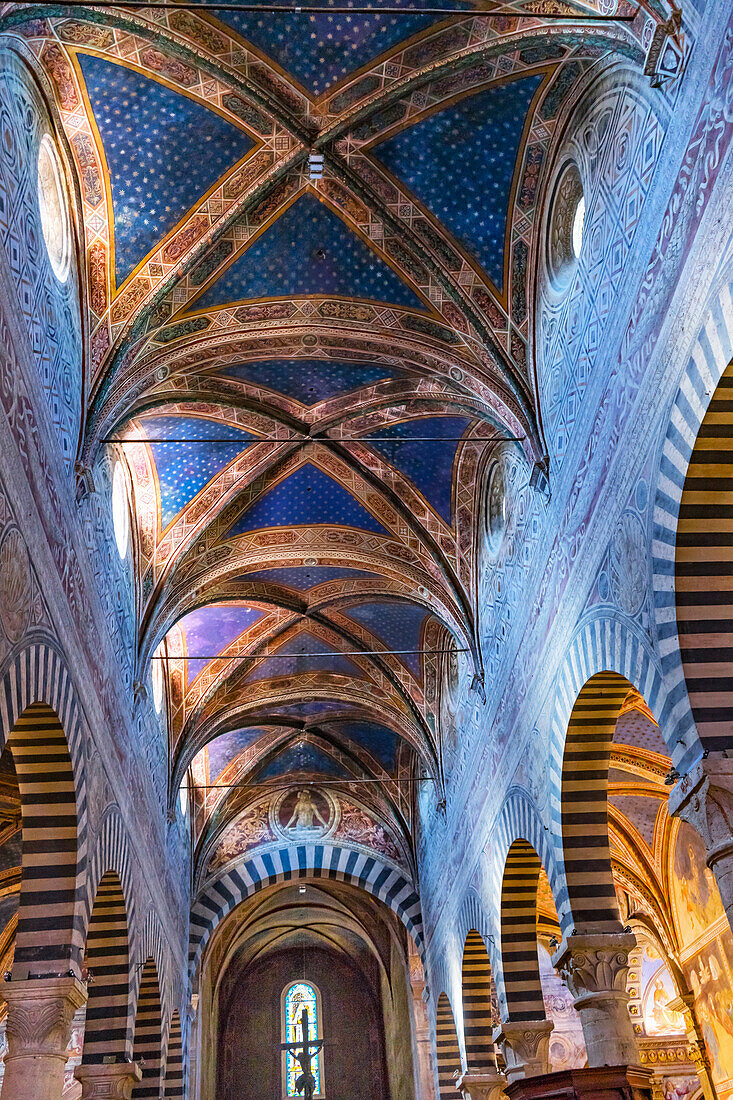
<point>366,549</point>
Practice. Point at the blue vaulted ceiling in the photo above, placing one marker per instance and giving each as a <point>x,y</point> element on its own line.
<point>163,151</point>
<point>304,577</point>
<point>302,759</point>
<point>209,630</point>
<point>381,742</point>
<point>474,141</point>
<point>319,50</point>
<point>398,624</point>
<point>301,654</point>
<point>306,497</point>
<point>223,750</point>
<point>192,457</point>
<point>309,380</point>
<point>308,250</point>
<point>426,456</point>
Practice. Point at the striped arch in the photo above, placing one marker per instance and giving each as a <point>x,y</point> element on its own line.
<point>40,718</point>
<point>108,1020</point>
<point>112,853</point>
<point>148,1046</point>
<point>448,1055</point>
<point>174,1076</point>
<point>710,357</point>
<point>245,877</point>
<point>520,962</point>
<point>602,644</point>
<point>520,831</point>
<point>153,946</point>
<point>478,1016</point>
<point>583,833</point>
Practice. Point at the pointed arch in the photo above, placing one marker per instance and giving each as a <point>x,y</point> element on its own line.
<point>448,1054</point>
<point>148,1045</point>
<point>108,1028</point>
<point>518,914</point>
<point>478,1013</point>
<point>583,832</point>
<point>174,1073</point>
<point>49,933</point>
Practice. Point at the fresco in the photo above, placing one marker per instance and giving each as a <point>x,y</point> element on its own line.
<point>696,894</point>
<point>248,831</point>
<point>209,631</point>
<point>356,825</point>
<point>657,991</point>
<point>707,951</point>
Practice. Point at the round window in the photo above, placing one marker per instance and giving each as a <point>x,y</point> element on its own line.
<point>496,507</point>
<point>565,239</point>
<point>53,208</point>
<point>121,511</point>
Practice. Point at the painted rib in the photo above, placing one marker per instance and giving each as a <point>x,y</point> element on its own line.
<point>520,964</point>
<point>108,1030</point>
<point>448,1055</point>
<point>586,851</point>
<point>148,1035</point>
<point>478,1015</point>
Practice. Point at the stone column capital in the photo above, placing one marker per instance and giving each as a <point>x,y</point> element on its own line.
<point>487,1085</point>
<point>525,1046</point>
<point>40,1012</point>
<point>113,1082</point>
<point>704,799</point>
<point>595,964</point>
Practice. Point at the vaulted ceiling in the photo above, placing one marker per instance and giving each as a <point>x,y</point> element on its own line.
<point>308,377</point>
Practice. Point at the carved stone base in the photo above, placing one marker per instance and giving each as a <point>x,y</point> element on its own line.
<point>113,1082</point>
<point>40,1013</point>
<point>481,1086</point>
<point>525,1046</point>
<point>603,1083</point>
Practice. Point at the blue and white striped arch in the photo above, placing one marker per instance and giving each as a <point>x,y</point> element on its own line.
<point>240,880</point>
<point>710,355</point>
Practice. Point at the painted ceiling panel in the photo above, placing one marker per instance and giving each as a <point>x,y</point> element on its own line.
<point>223,750</point>
<point>184,468</point>
<point>398,624</point>
<point>319,50</point>
<point>309,380</point>
<point>634,728</point>
<point>304,577</point>
<point>641,812</point>
<point>381,742</point>
<point>210,629</point>
<point>305,498</point>
<point>428,465</point>
<point>308,250</point>
<point>300,759</point>
<point>163,150</point>
<point>459,162</point>
<point>300,655</point>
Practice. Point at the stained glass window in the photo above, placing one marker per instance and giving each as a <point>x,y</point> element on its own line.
<point>298,996</point>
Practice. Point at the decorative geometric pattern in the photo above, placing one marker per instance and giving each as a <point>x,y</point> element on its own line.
<point>309,380</point>
<point>186,465</point>
<point>307,497</point>
<point>475,141</point>
<point>306,576</point>
<point>381,742</point>
<point>305,650</point>
<point>308,250</point>
<point>302,759</point>
<point>163,150</point>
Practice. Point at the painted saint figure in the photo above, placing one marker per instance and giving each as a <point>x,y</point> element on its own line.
<point>305,812</point>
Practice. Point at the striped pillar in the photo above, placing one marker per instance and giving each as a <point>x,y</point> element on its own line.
<point>147,1049</point>
<point>40,1014</point>
<point>478,1017</point>
<point>174,1063</point>
<point>448,1054</point>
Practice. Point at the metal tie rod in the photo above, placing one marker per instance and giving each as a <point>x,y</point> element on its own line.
<point>289,656</point>
<point>316,9</point>
<point>331,439</point>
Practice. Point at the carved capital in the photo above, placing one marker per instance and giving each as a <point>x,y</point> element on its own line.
<point>704,798</point>
<point>595,964</point>
<point>482,1086</point>
<point>525,1046</point>
<point>40,1011</point>
<point>113,1082</point>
